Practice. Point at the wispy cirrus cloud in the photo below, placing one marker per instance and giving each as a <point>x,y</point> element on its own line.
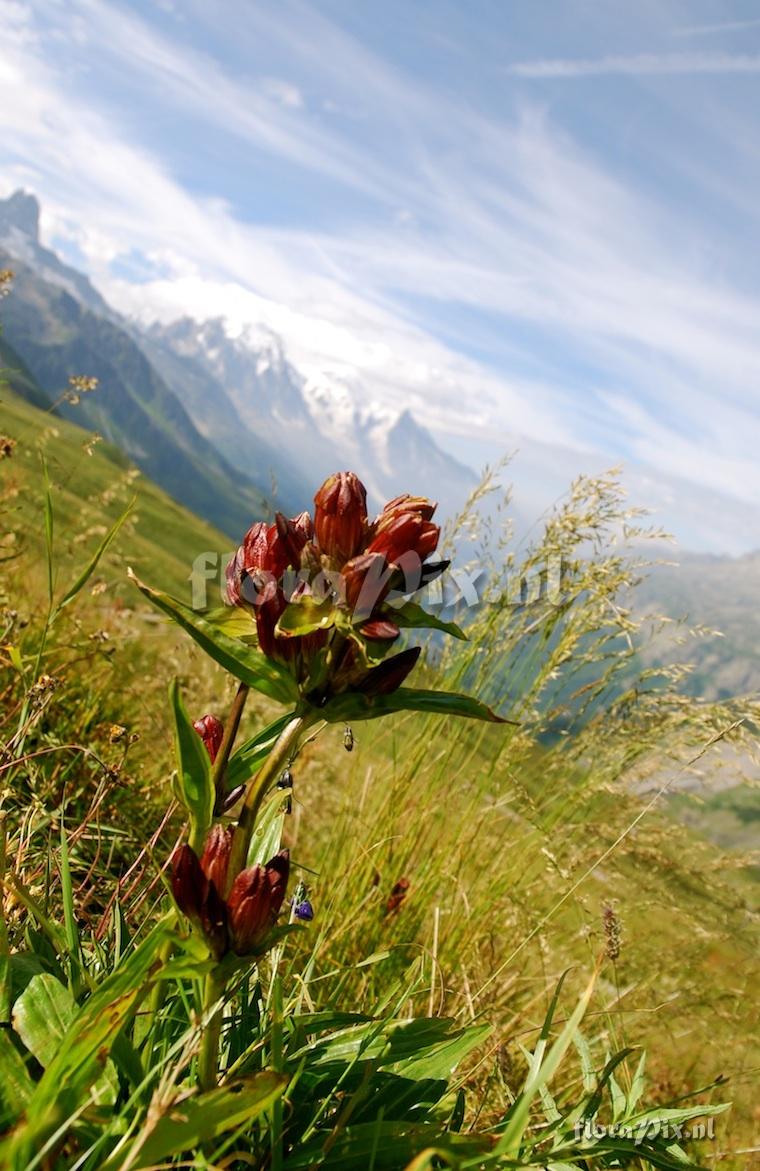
<point>710,30</point>
<point>486,264</point>
<point>637,65</point>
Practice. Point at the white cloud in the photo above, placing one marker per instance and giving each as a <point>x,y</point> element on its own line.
<point>284,92</point>
<point>637,65</point>
<point>499,216</point>
<point>709,30</point>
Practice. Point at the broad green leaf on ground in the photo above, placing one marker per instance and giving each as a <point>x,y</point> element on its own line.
<point>196,787</point>
<point>354,706</point>
<point>245,662</point>
<point>82,1055</point>
<point>42,1016</point>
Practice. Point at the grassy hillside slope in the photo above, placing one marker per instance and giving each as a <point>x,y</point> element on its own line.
<point>93,484</point>
<point>518,858</point>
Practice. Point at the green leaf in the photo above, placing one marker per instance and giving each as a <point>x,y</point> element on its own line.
<point>246,663</point>
<point>540,1074</point>
<point>267,836</point>
<point>194,1120</point>
<point>305,615</point>
<point>16,1086</point>
<point>587,1063</point>
<point>92,564</point>
<point>638,1084</point>
<point>81,1057</point>
<point>242,763</point>
<point>42,1015</point>
<point>412,615</point>
<point>195,784</point>
<point>670,1114</point>
<point>418,1049</point>
<point>386,1146</point>
<point>14,654</point>
<point>439,1061</point>
<point>355,706</point>
<point>49,527</point>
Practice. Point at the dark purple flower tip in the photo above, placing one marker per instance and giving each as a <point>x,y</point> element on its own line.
<point>216,855</point>
<point>188,882</point>
<point>304,911</point>
<point>211,732</point>
<point>232,798</point>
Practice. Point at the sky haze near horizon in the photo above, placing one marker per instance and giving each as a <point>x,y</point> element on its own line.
<point>535,223</point>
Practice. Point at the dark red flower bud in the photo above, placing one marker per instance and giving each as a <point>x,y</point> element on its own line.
<point>254,903</point>
<point>188,883</point>
<point>262,557</point>
<point>293,535</point>
<point>262,549</point>
<point>216,855</point>
<point>270,604</point>
<point>235,575</point>
<point>381,629</point>
<point>365,581</point>
<point>340,518</point>
<point>404,533</point>
<point>211,732</point>
<point>390,674</point>
<point>304,526</point>
<point>420,505</point>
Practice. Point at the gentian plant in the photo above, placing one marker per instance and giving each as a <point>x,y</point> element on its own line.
<point>316,607</point>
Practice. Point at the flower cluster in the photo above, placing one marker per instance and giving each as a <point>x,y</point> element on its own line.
<point>238,921</point>
<point>319,589</point>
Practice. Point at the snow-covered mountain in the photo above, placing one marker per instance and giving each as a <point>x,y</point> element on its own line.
<point>312,424</point>
<point>283,429</point>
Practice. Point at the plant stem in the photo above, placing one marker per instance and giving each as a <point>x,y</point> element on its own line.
<point>281,753</point>
<point>228,739</point>
<point>208,1059</point>
<point>276,1063</point>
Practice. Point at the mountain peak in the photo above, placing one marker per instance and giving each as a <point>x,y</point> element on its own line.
<point>21,210</point>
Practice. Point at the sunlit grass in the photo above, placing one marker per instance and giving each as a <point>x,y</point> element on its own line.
<point>511,841</point>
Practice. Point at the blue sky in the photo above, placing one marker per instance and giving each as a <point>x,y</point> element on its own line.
<point>535,222</point>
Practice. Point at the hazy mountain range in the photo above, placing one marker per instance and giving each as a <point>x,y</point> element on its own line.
<point>223,421</point>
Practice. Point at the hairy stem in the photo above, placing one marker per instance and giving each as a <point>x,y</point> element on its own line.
<point>281,753</point>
